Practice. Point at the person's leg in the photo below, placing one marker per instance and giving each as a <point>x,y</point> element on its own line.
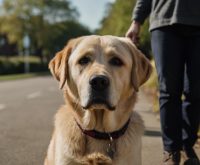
<point>167,47</point>
<point>191,104</point>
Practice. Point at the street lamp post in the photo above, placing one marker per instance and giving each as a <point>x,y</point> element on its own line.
<point>26,44</point>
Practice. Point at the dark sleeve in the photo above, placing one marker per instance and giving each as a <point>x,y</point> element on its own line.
<point>142,10</point>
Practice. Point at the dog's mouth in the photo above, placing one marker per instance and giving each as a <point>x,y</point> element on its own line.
<point>99,103</point>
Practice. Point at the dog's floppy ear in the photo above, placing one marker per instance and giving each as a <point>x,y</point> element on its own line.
<point>59,64</point>
<point>141,69</point>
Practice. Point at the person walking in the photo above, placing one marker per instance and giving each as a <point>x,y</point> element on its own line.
<point>175,40</point>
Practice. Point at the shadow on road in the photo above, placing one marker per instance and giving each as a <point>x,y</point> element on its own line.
<point>152,132</point>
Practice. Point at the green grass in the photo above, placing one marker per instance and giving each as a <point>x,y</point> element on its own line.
<point>21,76</point>
<point>20,59</point>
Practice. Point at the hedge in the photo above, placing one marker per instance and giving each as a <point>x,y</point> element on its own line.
<point>13,65</point>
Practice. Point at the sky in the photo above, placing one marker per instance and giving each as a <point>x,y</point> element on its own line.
<point>91,11</point>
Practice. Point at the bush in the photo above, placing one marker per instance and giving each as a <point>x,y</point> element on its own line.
<point>151,88</point>
<point>16,64</point>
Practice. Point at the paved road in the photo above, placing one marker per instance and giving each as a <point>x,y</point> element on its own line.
<point>27,108</point>
<point>151,142</point>
<point>26,119</point>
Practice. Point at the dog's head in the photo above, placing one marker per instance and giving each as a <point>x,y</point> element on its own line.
<point>99,71</point>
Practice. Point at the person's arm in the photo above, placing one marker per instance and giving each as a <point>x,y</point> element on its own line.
<point>141,12</point>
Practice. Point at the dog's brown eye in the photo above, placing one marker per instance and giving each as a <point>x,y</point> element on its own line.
<point>116,61</point>
<point>84,60</point>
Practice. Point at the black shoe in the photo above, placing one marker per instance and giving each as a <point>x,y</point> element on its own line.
<point>192,161</point>
<point>171,158</point>
<point>191,157</point>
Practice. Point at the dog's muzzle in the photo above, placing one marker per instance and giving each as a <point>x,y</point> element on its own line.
<point>99,92</point>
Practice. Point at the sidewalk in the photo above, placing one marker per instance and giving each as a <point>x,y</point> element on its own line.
<point>152,142</point>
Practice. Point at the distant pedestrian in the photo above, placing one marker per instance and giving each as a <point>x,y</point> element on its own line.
<point>175,39</point>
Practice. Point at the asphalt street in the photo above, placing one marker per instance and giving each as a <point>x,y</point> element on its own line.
<point>27,108</point>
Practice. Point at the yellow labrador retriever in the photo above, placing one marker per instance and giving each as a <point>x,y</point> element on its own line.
<point>100,77</point>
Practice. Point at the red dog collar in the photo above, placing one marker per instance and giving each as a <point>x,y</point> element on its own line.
<point>105,135</point>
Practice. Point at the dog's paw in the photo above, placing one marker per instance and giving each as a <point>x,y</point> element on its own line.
<point>97,159</point>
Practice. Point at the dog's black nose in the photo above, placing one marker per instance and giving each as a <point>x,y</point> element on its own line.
<point>99,82</point>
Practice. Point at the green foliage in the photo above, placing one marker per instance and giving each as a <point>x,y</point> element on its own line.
<point>46,22</point>
<point>151,88</point>
<point>145,44</point>
<point>60,33</point>
<point>16,65</point>
<point>118,19</point>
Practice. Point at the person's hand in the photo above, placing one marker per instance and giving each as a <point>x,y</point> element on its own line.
<point>133,32</point>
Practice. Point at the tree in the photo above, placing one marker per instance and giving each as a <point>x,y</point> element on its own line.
<point>118,19</point>
<point>37,19</point>
<point>61,32</point>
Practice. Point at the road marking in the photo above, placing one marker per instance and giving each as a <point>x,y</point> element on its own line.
<point>2,106</point>
<point>34,95</point>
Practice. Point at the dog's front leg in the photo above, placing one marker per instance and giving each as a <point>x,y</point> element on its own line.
<point>68,151</point>
<point>62,151</point>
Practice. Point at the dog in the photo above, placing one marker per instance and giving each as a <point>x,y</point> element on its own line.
<point>100,77</point>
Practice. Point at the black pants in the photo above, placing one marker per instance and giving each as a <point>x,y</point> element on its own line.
<point>176,50</point>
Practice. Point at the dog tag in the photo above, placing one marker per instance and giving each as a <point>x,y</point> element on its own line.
<point>110,151</point>
<point>111,148</point>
